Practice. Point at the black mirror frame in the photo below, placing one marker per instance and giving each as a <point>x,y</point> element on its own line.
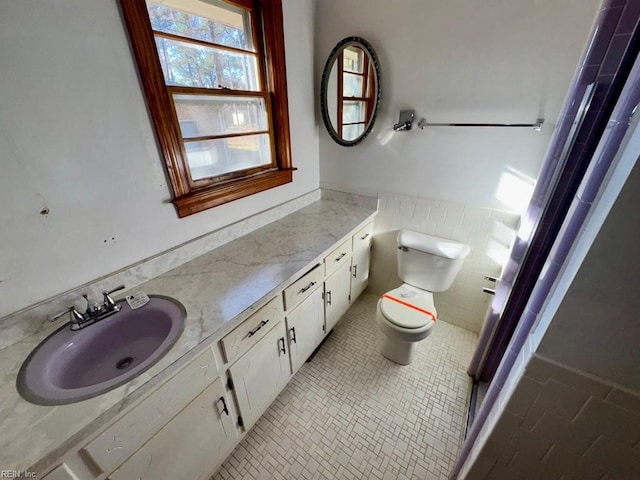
<point>325,80</point>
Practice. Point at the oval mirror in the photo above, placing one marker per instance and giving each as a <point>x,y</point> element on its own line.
<point>350,91</point>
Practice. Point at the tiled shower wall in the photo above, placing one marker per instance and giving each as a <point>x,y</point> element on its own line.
<point>563,423</point>
<point>489,233</point>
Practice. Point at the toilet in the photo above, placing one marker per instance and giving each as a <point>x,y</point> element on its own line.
<point>406,314</point>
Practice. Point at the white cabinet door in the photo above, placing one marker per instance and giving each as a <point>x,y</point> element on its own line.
<point>129,433</point>
<point>260,374</point>
<point>191,446</point>
<point>336,296</point>
<point>360,261</point>
<point>305,328</point>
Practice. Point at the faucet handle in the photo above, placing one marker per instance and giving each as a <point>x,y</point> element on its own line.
<point>88,310</point>
<point>109,303</point>
<point>74,315</point>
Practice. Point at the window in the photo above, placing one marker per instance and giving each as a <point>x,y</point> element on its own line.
<point>214,76</point>
<point>355,92</point>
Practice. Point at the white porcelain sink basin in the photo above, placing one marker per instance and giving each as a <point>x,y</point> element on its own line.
<point>69,366</point>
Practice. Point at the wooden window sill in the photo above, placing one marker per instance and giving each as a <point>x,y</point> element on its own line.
<point>213,196</point>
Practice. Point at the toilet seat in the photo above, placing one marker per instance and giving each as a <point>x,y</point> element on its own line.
<point>408,307</point>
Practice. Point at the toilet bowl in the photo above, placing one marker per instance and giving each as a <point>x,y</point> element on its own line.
<point>407,314</point>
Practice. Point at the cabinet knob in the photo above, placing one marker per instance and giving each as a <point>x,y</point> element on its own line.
<point>283,349</point>
<point>365,236</point>
<point>328,296</point>
<point>293,334</point>
<point>355,271</point>
<point>340,257</point>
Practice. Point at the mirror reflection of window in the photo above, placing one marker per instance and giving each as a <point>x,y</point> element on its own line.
<point>355,92</point>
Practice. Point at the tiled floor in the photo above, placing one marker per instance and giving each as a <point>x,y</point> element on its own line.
<point>352,414</point>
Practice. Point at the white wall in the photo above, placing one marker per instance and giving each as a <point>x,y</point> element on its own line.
<point>596,326</point>
<point>456,61</point>
<point>75,137</point>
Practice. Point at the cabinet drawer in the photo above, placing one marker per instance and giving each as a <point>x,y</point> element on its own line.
<point>251,330</point>
<point>338,257</point>
<point>128,434</point>
<point>303,287</point>
<point>362,238</point>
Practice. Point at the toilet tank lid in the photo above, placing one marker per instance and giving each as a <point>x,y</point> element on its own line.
<point>433,245</point>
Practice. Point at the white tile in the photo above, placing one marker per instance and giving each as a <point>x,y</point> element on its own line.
<point>561,400</point>
<point>624,399</point>
<point>541,369</point>
<point>608,419</point>
<point>443,230</point>
<point>454,216</point>
<point>617,458</point>
<point>524,396</point>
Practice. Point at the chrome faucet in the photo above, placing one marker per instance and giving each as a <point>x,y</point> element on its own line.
<point>94,312</point>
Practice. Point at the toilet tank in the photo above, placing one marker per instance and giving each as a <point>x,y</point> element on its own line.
<point>428,262</point>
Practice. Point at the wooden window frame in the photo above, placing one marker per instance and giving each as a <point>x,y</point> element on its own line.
<point>367,94</point>
<point>191,196</point>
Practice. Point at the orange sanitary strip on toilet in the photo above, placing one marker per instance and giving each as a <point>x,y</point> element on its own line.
<point>421,310</point>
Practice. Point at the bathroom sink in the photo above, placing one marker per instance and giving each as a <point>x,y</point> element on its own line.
<point>70,366</point>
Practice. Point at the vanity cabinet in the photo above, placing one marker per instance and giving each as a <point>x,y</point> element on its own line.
<point>360,260</point>
<point>261,373</point>
<point>305,328</point>
<point>187,425</point>
<point>191,445</point>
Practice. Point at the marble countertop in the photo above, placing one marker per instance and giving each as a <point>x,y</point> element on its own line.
<point>218,289</point>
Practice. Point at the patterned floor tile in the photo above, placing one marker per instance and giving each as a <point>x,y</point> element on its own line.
<point>352,414</point>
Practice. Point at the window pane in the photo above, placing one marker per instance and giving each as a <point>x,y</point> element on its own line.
<point>201,115</point>
<point>191,65</point>
<point>221,23</point>
<point>351,132</point>
<point>352,85</point>
<point>353,112</point>
<point>353,59</point>
<point>215,157</point>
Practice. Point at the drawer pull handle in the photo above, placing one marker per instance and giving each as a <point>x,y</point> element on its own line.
<point>340,257</point>
<point>302,290</point>
<point>355,271</point>
<point>293,334</point>
<point>329,297</point>
<point>283,348</point>
<point>225,410</point>
<point>365,236</point>
<point>262,324</point>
